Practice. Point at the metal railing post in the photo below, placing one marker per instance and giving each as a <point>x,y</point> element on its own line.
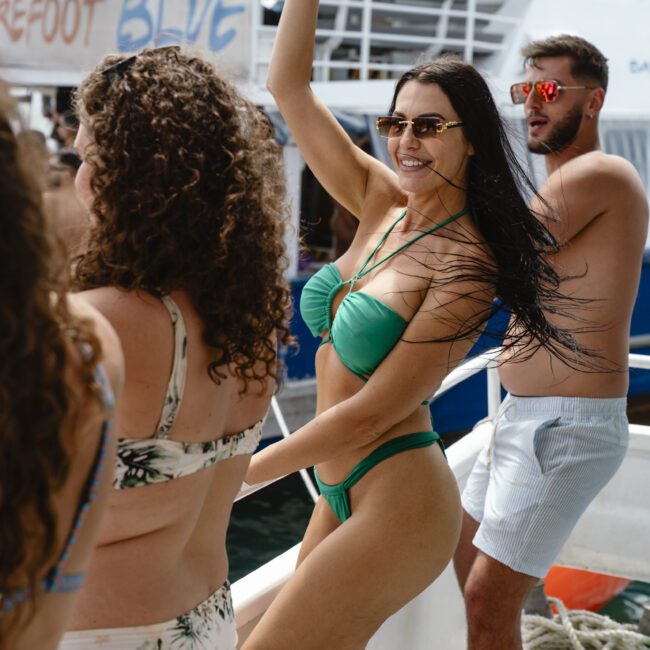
<point>253,51</point>
<point>313,492</point>
<point>493,391</point>
<point>469,31</point>
<point>364,50</point>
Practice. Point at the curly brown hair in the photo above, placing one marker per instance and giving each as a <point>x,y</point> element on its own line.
<point>38,402</point>
<point>188,195</point>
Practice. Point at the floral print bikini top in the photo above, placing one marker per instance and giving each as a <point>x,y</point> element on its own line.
<point>145,461</point>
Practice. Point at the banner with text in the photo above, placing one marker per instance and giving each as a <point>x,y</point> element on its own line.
<point>40,39</point>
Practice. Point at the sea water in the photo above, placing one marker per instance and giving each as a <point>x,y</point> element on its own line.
<point>266,524</point>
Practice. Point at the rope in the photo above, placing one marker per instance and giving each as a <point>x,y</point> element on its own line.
<point>579,630</point>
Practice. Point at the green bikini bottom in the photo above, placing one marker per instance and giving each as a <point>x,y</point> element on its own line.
<point>337,495</point>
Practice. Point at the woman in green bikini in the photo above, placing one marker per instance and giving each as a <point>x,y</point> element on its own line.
<point>438,239</point>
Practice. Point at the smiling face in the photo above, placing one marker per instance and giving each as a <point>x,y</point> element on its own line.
<point>553,127</point>
<point>426,165</point>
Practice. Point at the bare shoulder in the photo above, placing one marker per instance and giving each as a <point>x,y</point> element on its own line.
<point>460,241</point>
<point>589,187</point>
<point>121,305</point>
<point>139,318</point>
<point>112,356</point>
<point>601,174</point>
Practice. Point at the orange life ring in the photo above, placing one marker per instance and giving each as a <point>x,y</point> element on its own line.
<point>579,589</point>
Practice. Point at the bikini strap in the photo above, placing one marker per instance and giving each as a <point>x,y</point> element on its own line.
<point>176,385</point>
<point>363,271</point>
<point>55,580</point>
<point>360,273</point>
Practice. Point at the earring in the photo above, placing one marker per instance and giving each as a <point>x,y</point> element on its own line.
<point>590,116</point>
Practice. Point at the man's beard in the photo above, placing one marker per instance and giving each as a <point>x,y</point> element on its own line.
<point>561,136</point>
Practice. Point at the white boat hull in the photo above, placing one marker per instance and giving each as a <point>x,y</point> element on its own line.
<point>613,536</point>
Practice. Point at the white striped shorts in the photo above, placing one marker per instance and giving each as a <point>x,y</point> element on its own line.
<point>548,459</point>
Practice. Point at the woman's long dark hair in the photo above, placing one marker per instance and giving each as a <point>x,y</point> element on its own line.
<point>523,279</point>
<point>36,404</point>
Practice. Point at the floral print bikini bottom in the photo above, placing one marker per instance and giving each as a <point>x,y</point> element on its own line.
<point>209,626</point>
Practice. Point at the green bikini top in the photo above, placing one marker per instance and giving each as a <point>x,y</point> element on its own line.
<point>364,329</point>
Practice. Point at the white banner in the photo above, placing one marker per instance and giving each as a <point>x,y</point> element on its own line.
<point>55,42</point>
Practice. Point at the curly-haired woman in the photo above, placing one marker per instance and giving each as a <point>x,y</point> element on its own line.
<point>183,181</point>
<point>56,414</point>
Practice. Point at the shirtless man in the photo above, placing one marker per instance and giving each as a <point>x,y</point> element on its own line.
<point>560,434</point>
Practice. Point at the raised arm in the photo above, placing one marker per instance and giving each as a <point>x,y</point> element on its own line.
<point>342,168</point>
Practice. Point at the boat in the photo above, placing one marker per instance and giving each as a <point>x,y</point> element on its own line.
<point>362,47</point>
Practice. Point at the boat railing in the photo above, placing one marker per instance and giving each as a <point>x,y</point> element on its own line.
<point>639,341</point>
<point>370,39</point>
<point>486,361</point>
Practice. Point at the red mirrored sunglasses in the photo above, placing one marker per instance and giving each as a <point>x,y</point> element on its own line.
<point>548,91</point>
